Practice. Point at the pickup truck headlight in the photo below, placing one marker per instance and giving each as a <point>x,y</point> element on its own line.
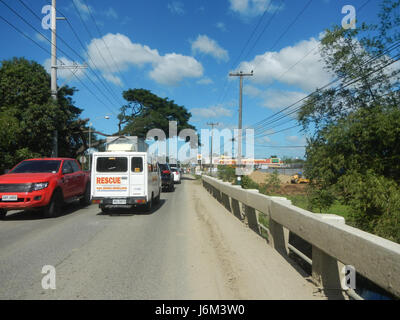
<point>39,186</point>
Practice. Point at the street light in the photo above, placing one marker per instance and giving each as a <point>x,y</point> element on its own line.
<point>90,136</point>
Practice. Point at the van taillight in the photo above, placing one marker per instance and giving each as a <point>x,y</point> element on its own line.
<point>166,171</point>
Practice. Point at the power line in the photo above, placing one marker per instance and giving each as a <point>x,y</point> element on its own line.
<point>108,49</point>
<point>91,36</point>
<point>308,53</point>
<point>40,46</point>
<point>278,147</point>
<point>226,88</point>
<point>263,122</point>
<point>290,25</point>
<point>44,37</point>
<point>101,79</point>
<point>348,84</point>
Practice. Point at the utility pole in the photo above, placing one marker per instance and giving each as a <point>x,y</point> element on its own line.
<point>54,69</point>
<point>239,155</point>
<point>212,124</point>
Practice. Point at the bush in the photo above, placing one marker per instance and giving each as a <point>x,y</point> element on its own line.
<point>247,183</point>
<point>272,183</point>
<point>375,201</point>
<point>226,173</point>
<point>319,198</point>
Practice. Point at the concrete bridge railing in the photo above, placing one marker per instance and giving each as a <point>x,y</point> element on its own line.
<point>334,244</point>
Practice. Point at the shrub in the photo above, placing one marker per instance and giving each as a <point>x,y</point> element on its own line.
<point>247,183</point>
<point>272,183</point>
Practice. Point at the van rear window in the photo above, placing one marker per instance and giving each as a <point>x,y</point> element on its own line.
<point>137,164</point>
<point>112,164</point>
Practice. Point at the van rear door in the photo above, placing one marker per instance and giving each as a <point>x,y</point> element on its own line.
<point>111,176</point>
<point>137,176</point>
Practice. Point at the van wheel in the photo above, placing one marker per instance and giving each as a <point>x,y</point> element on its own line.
<point>157,199</point>
<point>85,200</point>
<point>53,209</point>
<point>149,205</point>
<point>3,213</point>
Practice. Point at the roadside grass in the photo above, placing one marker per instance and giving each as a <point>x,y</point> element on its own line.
<point>337,208</point>
<point>263,220</point>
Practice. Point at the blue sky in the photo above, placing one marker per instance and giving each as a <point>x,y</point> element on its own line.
<point>184,50</point>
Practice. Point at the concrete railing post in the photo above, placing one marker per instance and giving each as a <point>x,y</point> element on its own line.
<point>326,270</point>
<point>278,237</point>
<point>236,209</point>
<point>251,218</point>
<point>226,202</point>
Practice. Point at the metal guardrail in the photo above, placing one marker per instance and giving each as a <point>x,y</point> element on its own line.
<point>334,244</point>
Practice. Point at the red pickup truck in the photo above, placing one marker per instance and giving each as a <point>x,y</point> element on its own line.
<point>43,184</point>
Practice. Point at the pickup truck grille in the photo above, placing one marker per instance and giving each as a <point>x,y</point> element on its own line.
<point>12,187</point>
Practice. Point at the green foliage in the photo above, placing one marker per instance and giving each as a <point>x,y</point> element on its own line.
<point>353,153</point>
<point>375,201</point>
<point>226,173</point>
<point>28,116</point>
<point>272,182</point>
<point>248,183</point>
<point>146,111</point>
<point>320,198</point>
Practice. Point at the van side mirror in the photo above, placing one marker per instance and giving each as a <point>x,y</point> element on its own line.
<point>7,171</point>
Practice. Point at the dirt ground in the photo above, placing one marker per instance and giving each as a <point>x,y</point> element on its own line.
<point>286,187</point>
<point>260,177</point>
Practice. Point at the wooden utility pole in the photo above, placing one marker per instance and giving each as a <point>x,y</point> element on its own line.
<point>241,75</point>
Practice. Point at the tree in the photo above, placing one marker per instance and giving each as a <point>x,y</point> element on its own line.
<point>353,153</point>
<point>146,111</point>
<point>28,116</point>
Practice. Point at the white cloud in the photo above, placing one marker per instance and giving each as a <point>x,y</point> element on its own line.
<point>205,81</point>
<point>176,7</point>
<point>65,74</point>
<point>303,60</point>
<point>264,139</point>
<point>172,68</point>
<point>83,9</point>
<point>112,78</point>
<point>204,44</point>
<point>273,98</point>
<point>123,53</point>
<point>41,38</point>
<point>211,112</point>
<point>296,139</point>
<point>251,8</point>
<point>168,69</point>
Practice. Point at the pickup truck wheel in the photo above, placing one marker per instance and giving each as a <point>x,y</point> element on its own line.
<point>85,201</point>
<point>104,209</point>
<point>3,213</point>
<point>53,209</point>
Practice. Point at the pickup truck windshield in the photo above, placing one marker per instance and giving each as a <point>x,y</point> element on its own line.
<point>37,166</point>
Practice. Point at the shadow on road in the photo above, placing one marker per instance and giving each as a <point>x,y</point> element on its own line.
<point>134,211</point>
<point>37,214</point>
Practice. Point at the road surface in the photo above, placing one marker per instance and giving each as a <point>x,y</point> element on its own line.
<point>189,247</point>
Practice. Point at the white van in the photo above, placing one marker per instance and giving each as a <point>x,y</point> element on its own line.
<point>121,179</point>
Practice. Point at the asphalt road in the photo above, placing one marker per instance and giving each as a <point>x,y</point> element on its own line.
<point>189,247</point>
